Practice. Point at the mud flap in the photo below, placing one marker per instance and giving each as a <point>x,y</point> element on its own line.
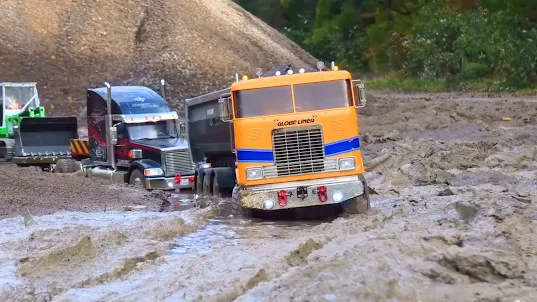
<point>45,136</point>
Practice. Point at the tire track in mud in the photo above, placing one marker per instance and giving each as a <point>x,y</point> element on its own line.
<point>50,262</point>
<point>294,258</point>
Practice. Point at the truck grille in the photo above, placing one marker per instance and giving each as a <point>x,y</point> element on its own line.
<point>298,150</point>
<point>178,162</point>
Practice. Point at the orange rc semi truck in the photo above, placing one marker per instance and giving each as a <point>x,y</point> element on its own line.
<point>282,140</point>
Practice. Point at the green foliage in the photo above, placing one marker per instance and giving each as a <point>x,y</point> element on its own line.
<point>485,44</point>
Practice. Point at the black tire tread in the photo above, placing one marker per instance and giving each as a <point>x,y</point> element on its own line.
<point>236,208</point>
<point>133,174</point>
<point>206,189</point>
<point>216,188</point>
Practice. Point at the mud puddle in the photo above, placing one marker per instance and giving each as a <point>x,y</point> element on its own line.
<point>231,231</point>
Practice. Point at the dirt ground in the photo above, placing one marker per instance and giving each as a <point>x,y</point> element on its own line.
<point>453,219</point>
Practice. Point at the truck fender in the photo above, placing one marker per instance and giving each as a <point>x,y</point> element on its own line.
<point>225,176</point>
<point>143,164</point>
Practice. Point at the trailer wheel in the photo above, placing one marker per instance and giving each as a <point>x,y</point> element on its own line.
<point>216,187</point>
<point>199,182</point>
<point>207,186</point>
<point>358,205</point>
<point>137,178</point>
<point>236,208</point>
<point>66,166</point>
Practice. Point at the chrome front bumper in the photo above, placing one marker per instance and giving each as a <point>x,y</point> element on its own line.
<point>168,183</point>
<point>346,187</point>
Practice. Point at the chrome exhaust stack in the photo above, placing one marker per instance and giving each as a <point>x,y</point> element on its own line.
<point>109,140</point>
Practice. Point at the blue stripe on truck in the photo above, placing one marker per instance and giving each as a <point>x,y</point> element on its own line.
<point>267,156</point>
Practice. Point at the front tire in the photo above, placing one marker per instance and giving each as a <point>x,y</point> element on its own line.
<point>236,209</point>
<point>137,179</point>
<point>358,205</point>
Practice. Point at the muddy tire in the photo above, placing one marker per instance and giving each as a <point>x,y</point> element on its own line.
<point>137,178</point>
<point>206,186</point>
<point>235,208</point>
<point>3,151</point>
<point>66,166</point>
<point>358,205</point>
<point>199,182</point>
<point>216,188</point>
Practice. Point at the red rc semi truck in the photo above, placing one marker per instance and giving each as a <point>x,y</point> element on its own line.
<point>133,138</point>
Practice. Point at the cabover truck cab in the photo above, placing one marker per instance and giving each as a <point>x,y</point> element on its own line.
<point>292,140</point>
<point>135,142</point>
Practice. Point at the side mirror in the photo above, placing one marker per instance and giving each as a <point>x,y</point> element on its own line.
<point>113,135</point>
<point>225,108</point>
<point>359,94</point>
<point>182,129</point>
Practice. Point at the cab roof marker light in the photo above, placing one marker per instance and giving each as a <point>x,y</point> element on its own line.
<point>278,73</point>
<point>301,70</point>
<point>245,78</point>
<point>258,72</point>
<point>290,71</point>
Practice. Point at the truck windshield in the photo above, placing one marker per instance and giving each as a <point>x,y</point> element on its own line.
<point>264,101</point>
<point>162,129</point>
<point>17,97</point>
<point>324,95</point>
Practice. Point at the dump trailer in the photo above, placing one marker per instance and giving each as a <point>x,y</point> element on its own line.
<point>133,138</point>
<point>27,135</point>
<point>282,140</point>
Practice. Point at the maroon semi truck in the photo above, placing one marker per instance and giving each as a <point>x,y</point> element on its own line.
<point>133,137</point>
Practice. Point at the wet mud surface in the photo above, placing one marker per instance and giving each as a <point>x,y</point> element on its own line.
<point>454,183</point>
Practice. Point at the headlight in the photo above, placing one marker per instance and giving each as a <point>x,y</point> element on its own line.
<point>347,163</point>
<point>153,172</point>
<point>254,173</point>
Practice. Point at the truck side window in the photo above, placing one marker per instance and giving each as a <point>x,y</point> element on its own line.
<point>121,131</point>
<point>322,95</point>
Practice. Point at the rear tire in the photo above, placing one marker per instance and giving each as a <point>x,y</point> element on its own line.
<point>199,182</point>
<point>216,188</point>
<point>206,186</point>
<point>236,209</point>
<point>137,179</point>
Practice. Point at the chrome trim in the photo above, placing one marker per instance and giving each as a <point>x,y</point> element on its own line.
<point>177,161</point>
<point>298,150</point>
<point>349,187</point>
<point>161,183</point>
<point>330,165</point>
<point>304,183</point>
<point>154,117</point>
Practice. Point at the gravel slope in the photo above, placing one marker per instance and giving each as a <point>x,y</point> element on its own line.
<point>196,45</point>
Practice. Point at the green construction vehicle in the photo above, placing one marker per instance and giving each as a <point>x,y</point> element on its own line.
<point>27,136</point>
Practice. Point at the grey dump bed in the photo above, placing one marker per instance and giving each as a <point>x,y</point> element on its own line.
<point>208,136</point>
